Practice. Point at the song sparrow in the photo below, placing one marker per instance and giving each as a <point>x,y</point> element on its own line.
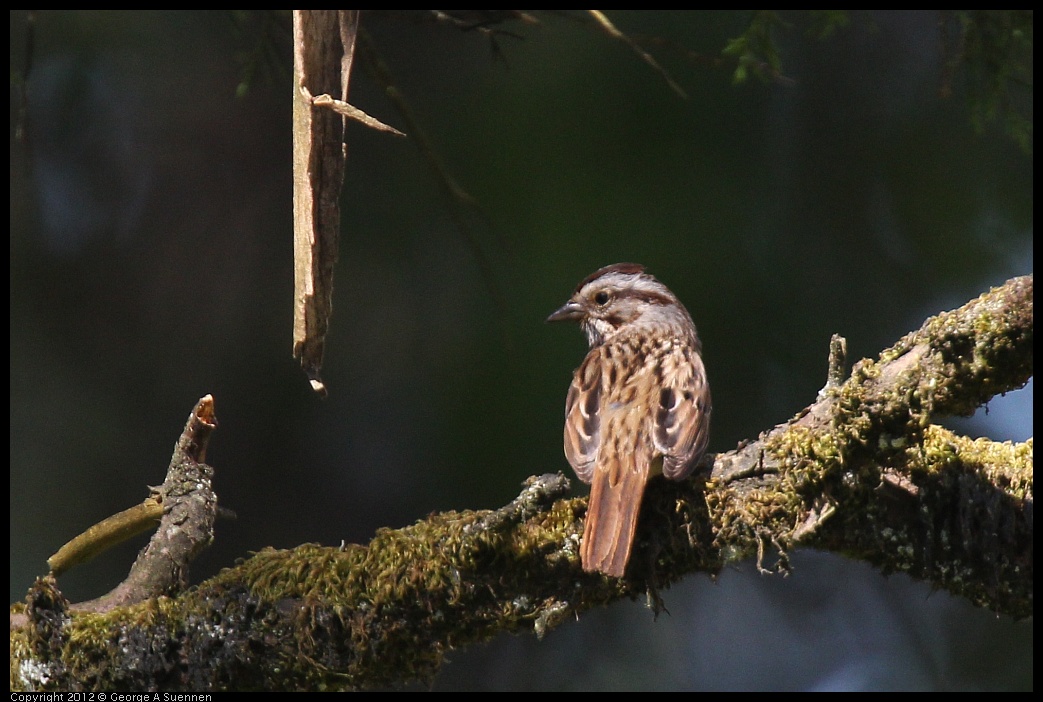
<point>638,405</point>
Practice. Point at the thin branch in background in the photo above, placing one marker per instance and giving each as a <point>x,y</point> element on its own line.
<point>460,200</point>
<point>484,21</point>
<point>603,22</point>
<point>716,61</point>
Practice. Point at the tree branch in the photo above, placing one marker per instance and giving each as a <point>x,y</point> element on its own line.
<point>861,471</point>
<point>904,494</point>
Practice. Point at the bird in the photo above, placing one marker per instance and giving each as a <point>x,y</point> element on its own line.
<point>639,405</point>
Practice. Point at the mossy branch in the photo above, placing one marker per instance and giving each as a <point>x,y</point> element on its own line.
<point>862,471</point>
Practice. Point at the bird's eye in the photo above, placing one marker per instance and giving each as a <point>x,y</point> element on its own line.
<point>601,297</point>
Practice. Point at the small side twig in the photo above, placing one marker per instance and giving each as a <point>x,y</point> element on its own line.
<point>108,533</point>
<point>186,527</point>
<point>351,112</point>
<point>837,372</point>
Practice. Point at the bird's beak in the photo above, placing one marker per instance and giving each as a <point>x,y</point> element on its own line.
<point>570,311</point>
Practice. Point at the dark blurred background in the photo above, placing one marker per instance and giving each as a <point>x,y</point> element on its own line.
<point>151,264</point>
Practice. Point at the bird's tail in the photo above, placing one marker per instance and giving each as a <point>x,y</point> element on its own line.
<point>615,501</point>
